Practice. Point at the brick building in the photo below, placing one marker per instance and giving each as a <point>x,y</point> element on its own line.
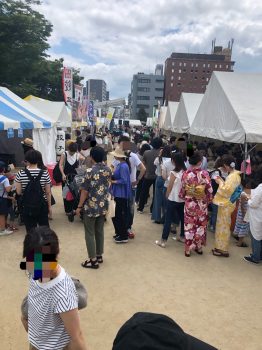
<point>189,72</point>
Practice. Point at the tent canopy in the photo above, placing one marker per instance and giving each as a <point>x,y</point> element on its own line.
<point>57,111</point>
<point>186,112</point>
<point>170,115</point>
<point>16,113</point>
<point>231,109</point>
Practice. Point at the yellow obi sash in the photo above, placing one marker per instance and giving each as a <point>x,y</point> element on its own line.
<point>196,191</point>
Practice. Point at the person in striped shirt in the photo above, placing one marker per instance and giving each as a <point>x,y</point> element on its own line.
<point>53,320</point>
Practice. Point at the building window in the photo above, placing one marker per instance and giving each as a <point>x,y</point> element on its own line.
<point>204,71</point>
<point>196,70</point>
<point>220,66</point>
<point>184,64</point>
<point>208,71</point>
<point>173,70</point>
<point>173,63</point>
<point>179,78</point>
<point>159,89</point>
<point>143,98</point>
<point>159,80</point>
<point>227,66</point>
<point>207,79</point>
<point>196,64</point>
<point>192,70</point>
<point>144,89</point>
<point>203,78</point>
<point>172,77</point>
<point>232,67</point>
<point>208,65</point>
<point>144,81</point>
<point>204,65</point>
<point>171,84</point>
<point>195,78</point>
<point>179,71</point>
<point>184,70</point>
<point>180,64</point>
<point>178,84</point>
<point>215,65</point>
<point>192,64</point>
<point>142,106</point>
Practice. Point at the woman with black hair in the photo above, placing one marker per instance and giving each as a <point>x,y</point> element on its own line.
<point>225,206</point>
<point>122,192</point>
<point>175,205</point>
<point>196,191</point>
<point>53,320</point>
<point>32,215</point>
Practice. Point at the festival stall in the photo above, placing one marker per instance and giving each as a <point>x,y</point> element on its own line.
<point>170,115</point>
<point>18,119</point>
<point>231,109</point>
<point>134,122</point>
<point>186,112</point>
<point>57,111</point>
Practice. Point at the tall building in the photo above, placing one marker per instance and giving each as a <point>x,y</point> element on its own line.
<point>189,72</point>
<point>146,91</point>
<point>159,69</point>
<point>96,90</point>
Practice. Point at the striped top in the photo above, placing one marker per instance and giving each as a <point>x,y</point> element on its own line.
<point>21,177</point>
<point>46,301</point>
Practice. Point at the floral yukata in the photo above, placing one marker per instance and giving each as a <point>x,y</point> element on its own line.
<point>197,192</point>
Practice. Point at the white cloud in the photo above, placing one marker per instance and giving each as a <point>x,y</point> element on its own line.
<point>127,36</point>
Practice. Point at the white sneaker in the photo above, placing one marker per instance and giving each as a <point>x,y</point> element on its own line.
<point>6,232</point>
<point>161,243</point>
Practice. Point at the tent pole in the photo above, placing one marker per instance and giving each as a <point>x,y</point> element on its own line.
<point>245,157</point>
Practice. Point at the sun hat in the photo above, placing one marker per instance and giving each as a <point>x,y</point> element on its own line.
<point>149,331</point>
<point>119,153</point>
<point>28,142</point>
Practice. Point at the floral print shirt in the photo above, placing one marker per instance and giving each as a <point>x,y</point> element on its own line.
<point>97,183</point>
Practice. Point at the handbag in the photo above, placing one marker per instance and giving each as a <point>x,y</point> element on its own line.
<point>111,208</point>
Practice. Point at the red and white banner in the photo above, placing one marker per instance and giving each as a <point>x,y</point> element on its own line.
<point>67,81</point>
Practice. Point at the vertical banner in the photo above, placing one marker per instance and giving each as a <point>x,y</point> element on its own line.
<point>20,133</point>
<point>67,82</point>
<point>10,133</point>
<point>110,113</point>
<point>60,142</point>
<point>79,94</point>
<point>91,112</point>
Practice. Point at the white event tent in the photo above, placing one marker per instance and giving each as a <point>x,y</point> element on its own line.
<point>18,115</point>
<point>186,112</point>
<point>57,111</point>
<point>170,115</point>
<point>231,109</point>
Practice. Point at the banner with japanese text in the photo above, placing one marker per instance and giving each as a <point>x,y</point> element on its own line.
<point>67,85</point>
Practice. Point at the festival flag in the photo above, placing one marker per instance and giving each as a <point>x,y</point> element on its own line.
<point>67,82</point>
<point>91,112</point>
<point>110,113</point>
<point>79,93</point>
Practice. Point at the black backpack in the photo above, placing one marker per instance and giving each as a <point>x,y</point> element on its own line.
<point>57,176</point>
<point>33,199</point>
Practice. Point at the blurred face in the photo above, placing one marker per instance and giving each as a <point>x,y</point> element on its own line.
<point>41,264</point>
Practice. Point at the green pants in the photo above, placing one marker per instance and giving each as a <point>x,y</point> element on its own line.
<point>94,234</point>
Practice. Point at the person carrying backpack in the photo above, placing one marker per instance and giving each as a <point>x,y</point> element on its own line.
<point>34,186</point>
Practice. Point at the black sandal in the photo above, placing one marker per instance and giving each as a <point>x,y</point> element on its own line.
<point>217,252</point>
<point>187,254</point>
<point>100,259</point>
<point>199,251</point>
<point>90,264</point>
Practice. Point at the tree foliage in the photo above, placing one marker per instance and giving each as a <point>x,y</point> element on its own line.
<point>24,65</point>
<point>142,115</point>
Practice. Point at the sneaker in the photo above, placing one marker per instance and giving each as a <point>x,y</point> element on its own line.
<point>140,211</point>
<point>161,243</point>
<point>249,259</point>
<point>174,237</point>
<point>6,232</point>
<point>121,240</point>
<point>114,237</point>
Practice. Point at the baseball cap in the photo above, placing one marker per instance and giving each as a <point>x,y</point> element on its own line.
<point>150,331</point>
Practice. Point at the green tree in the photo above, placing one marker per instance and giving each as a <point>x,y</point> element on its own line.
<point>142,115</point>
<point>24,67</point>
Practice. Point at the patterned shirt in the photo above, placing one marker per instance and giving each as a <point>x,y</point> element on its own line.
<point>97,183</point>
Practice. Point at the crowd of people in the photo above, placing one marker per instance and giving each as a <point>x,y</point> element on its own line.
<point>188,187</point>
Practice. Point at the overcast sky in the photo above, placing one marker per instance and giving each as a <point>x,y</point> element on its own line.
<point>112,40</point>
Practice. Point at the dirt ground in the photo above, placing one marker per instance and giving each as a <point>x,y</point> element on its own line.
<point>215,299</point>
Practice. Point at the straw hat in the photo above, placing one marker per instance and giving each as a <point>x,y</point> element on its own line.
<point>28,142</point>
<point>118,153</point>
